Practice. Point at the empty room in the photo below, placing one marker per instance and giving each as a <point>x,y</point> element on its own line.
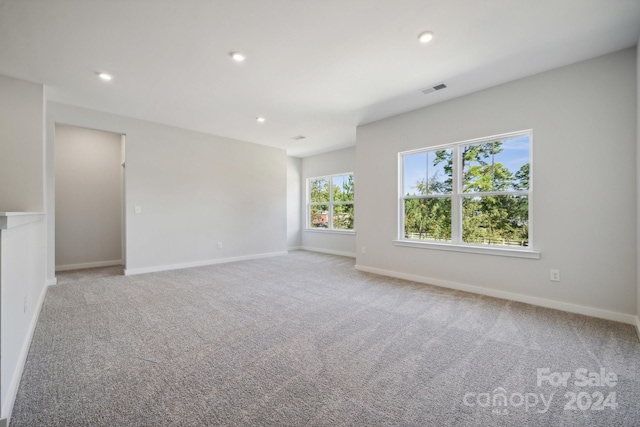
<point>337,213</point>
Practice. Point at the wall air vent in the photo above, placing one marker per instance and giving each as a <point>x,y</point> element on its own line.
<point>434,88</point>
<point>299,137</point>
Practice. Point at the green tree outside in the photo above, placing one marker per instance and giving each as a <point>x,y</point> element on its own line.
<point>488,219</point>
<point>343,215</point>
<point>336,193</point>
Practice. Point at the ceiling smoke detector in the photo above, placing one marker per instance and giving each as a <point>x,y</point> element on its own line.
<point>434,88</point>
<point>299,137</point>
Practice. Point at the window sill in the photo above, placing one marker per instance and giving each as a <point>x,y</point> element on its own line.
<point>330,231</point>
<point>498,251</point>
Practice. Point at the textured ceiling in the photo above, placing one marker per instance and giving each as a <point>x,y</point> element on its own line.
<point>317,68</point>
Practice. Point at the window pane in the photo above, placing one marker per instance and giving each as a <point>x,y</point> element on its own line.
<point>414,168</point>
<point>428,219</point>
<point>343,217</point>
<point>428,172</point>
<point>496,220</point>
<point>319,190</point>
<point>514,158</point>
<point>497,166</point>
<point>342,188</point>
<point>319,216</point>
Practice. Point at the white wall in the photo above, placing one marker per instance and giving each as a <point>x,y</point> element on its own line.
<point>88,170</point>
<point>334,162</point>
<point>638,186</point>
<point>294,203</point>
<point>21,146</point>
<point>194,190</point>
<point>583,118</point>
<point>22,252</point>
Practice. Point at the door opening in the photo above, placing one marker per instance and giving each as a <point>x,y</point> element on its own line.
<point>90,226</point>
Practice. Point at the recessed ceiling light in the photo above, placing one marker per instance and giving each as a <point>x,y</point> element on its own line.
<point>104,76</point>
<point>260,119</point>
<point>238,56</point>
<point>425,37</point>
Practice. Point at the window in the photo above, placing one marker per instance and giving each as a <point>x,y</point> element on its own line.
<point>472,193</point>
<point>330,202</point>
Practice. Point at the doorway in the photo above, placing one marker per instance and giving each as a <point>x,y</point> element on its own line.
<point>89,198</point>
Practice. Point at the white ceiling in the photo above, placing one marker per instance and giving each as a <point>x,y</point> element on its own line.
<point>315,68</point>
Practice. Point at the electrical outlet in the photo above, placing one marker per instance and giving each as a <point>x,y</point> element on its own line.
<point>364,250</point>
<point>555,275</point>
<point>219,245</point>
<point>25,303</point>
<point>138,209</point>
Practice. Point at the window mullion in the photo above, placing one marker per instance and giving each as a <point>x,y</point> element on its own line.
<point>456,203</point>
<point>308,214</point>
<point>331,202</point>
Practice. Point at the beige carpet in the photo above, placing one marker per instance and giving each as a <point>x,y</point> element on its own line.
<point>305,339</point>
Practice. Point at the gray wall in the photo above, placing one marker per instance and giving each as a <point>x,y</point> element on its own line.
<point>88,168</point>
<point>583,118</point>
<point>638,186</point>
<point>194,190</point>
<point>294,203</point>
<point>22,139</point>
<point>334,162</point>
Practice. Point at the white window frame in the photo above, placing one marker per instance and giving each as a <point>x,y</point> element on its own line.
<point>331,203</point>
<point>457,195</point>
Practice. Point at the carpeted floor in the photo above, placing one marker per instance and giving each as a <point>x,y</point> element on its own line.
<point>305,339</point>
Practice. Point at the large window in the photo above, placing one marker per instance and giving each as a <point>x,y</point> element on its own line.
<point>474,193</point>
<point>330,202</point>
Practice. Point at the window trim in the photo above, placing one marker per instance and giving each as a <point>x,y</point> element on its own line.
<point>457,196</point>
<point>470,248</point>
<point>330,203</point>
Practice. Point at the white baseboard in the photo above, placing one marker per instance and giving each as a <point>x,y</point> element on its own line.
<point>51,282</point>
<point>328,251</point>
<point>294,248</point>
<point>557,305</point>
<point>134,271</point>
<point>88,265</point>
<point>12,391</point>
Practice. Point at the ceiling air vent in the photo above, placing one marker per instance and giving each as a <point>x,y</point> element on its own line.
<point>298,137</point>
<point>434,88</point>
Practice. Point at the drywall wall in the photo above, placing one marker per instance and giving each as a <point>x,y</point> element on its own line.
<point>194,190</point>
<point>88,168</point>
<point>294,203</point>
<point>22,139</point>
<point>583,118</point>
<point>334,162</point>
<point>638,186</point>
<point>22,255</point>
